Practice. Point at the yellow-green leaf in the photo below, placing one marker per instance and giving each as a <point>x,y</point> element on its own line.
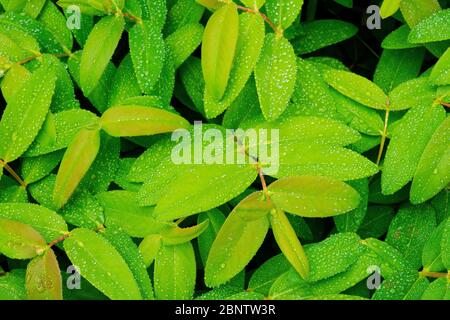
<point>77,160</point>
<point>133,120</point>
<point>310,196</point>
<point>20,241</point>
<point>389,7</point>
<point>100,263</point>
<point>288,242</point>
<point>218,49</point>
<point>43,278</point>
<point>98,50</point>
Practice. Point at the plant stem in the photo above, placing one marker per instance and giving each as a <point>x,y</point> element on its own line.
<point>434,274</point>
<point>58,240</point>
<point>384,133</point>
<point>131,17</point>
<point>266,18</point>
<point>13,173</point>
<point>445,104</point>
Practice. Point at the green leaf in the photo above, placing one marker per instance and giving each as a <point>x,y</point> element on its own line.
<point>55,22</point>
<point>154,11</point>
<point>99,262</point>
<point>205,240</point>
<point>25,114</point>
<point>376,222</point>
<point>351,221</point>
<point>183,42</point>
<point>283,12</point>
<point>440,74</point>
<point>12,285</point>
<point>409,230</point>
<point>248,47</point>
<point>433,171</point>
<point>237,242</point>
<point>216,184</point>
<point>311,196</point>
<point>275,75</point>
<point>149,248</point>
<point>407,145</point>
<point>20,241</point>
<point>130,253</point>
<point>402,286</point>
<point>95,57</point>
<point>182,12</point>
<point>121,210</point>
<point>319,34</point>
<point>333,255</point>
<point>445,245</point>
<point>43,278</point>
<point>389,7</point>
<point>175,272</point>
<point>219,48</point>
<point>176,235</point>
<point>431,29</point>
<point>35,168</point>
<point>48,223</point>
<point>77,160</point>
<point>397,66</point>
<point>398,39</point>
<point>414,92</point>
<point>147,52</point>
<point>437,290</point>
<point>125,84</point>
<point>357,88</point>
<point>432,250</point>
<point>288,242</point>
<point>267,273</point>
<point>133,120</point>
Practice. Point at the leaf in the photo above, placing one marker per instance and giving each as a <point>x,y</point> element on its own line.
<point>433,172</point>
<point>133,120</point>
<point>267,273</point>
<point>95,57</point>
<point>398,39</point>
<point>357,88</point>
<point>131,255</point>
<point>125,84</point>
<point>176,235</point>
<point>36,168</point>
<point>175,272</point>
<point>333,255</point>
<point>397,66</point>
<point>79,156</point>
<point>12,285</point>
<point>147,52</point>
<point>437,290</point>
<point>376,222</point>
<point>288,242</point>
<point>440,74</point>
<point>431,29</point>
<point>310,196</point>
<point>181,13</point>
<point>248,48</point>
<point>205,240</point>
<point>409,230</point>
<point>55,22</point>
<point>351,221</point>
<point>43,278</point>
<point>389,7</point>
<point>275,75</point>
<point>319,34</point>
<point>283,12</point>
<point>99,262</point>
<point>414,92</point>
<point>20,241</point>
<point>149,248</point>
<point>183,42</point>
<point>122,211</point>
<point>217,184</point>
<point>219,48</point>
<point>25,114</point>
<point>408,143</point>
<point>432,250</point>
<point>236,243</point>
<point>154,11</point>
<point>402,286</point>
<point>445,245</point>
<point>48,223</point>
<point>66,124</point>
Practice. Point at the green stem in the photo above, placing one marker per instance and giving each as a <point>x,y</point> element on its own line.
<point>13,173</point>
<point>384,133</point>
